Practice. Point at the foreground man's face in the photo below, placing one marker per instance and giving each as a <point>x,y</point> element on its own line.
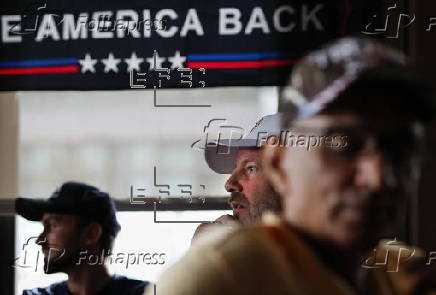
<point>251,195</point>
<point>350,196</point>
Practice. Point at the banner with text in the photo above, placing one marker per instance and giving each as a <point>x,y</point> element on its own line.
<point>89,45</point>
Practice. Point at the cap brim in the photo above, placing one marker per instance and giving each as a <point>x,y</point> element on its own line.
<point>221,156</point>
<point>415,95</point>
<point>31,209</point>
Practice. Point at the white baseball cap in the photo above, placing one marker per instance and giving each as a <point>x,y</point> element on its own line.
<point>221,155</point>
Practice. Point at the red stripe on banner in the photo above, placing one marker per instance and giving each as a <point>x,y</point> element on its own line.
<point>39,70</point>
<point>241,64</point>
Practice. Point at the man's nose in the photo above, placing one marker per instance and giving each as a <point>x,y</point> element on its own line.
<point>232,184</point>
<point>370,171</point>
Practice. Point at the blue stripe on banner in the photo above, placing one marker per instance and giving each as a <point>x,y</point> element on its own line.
<point>37,63</point>
<point>236,56</point>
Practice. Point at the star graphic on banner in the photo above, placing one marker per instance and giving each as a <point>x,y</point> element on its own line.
<point>110,63</point>
<point>159,61</point>
<point>87,64</point>
<point>133,62</point>
<point>177,60</point>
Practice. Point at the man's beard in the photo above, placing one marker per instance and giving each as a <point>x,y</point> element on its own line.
<point>61,264</point>
<point>268,200</point>
<point>271,204</point>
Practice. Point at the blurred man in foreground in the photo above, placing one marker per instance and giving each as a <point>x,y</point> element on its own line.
<point>80,226</point>
<point>250,193</point>
<point>338,202</point>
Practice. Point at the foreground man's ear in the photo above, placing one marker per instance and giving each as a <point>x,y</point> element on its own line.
<point>272,163</point>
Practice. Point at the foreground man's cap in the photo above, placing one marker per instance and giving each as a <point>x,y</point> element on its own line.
<point>221,156</point>
<point>73,198</point>
<point>324,77</point>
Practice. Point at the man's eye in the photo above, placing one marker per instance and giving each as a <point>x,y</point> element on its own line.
<point>50,226</point>
<point>252,169</point>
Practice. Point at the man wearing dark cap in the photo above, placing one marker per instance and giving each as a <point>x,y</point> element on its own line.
<point>338,202</point>
<point>79,224</point>
<point>250,193</point>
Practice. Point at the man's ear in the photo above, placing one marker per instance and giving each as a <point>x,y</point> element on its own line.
<point>272,162</point>
<point>92,233</point>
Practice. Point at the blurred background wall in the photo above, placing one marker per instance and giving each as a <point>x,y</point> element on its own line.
<point>9,145</point>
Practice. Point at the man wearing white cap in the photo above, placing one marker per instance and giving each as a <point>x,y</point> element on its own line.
<point>250,193</point>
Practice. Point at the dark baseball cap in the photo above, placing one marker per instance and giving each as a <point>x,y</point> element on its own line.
<point>73,198</point>
<point>348,72</point>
